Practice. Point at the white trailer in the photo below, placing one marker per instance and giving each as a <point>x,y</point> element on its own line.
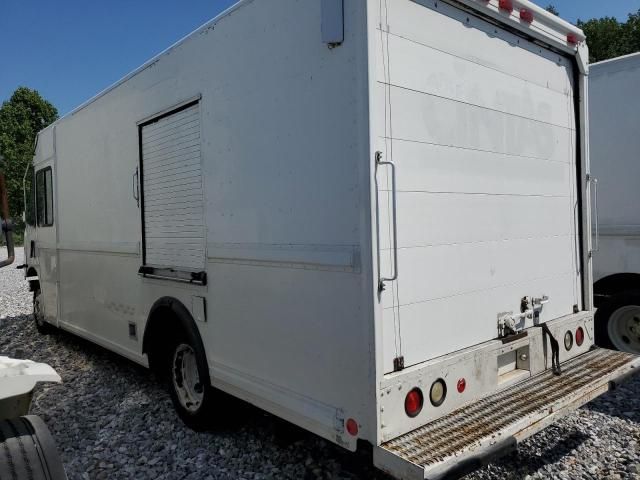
<point>615,151</point>
<point>370,218</point>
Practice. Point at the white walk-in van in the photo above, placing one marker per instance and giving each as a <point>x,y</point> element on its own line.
<point>368,217</point>
<point>615,155</point>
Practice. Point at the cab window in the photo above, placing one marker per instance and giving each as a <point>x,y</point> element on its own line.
<point>44,197</point>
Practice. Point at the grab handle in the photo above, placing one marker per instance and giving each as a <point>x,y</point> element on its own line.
<point>135,187</point>
<point>383,280</point>
<point>594,181</point>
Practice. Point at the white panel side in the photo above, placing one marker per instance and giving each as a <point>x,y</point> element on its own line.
<point>284,123</point>
<point>615,150</point>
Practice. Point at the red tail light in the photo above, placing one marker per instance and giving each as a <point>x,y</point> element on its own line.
<point>579,336</point>
<point>413,402</point>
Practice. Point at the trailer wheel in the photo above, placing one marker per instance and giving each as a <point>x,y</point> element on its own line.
<point>27,451</point>
<point>188,377</point>
<point>41,325</point>
<point>618,323</point>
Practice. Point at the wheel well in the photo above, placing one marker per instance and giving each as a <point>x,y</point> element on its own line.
<point>167,317</point>
<point>620,282</point>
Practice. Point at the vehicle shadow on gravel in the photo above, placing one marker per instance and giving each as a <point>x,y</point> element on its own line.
<point>619,402</point>
<point>521,463</point>
<point>112,418</point>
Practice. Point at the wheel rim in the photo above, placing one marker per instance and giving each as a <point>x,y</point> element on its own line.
<point>624,328</point>
<point>37,309</point>
<point>186,379</point>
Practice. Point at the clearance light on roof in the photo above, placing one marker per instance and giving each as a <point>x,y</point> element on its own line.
<point>572,39</point>
<point>506,5</point>
<point>526,15</point>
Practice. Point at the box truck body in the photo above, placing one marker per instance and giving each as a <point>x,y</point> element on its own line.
<point>615,153</point>
<point>369,218</point>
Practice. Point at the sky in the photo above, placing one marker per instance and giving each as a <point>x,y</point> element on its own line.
<point>69,50</point>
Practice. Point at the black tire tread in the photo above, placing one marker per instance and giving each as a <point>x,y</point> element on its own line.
<point>27,451</point>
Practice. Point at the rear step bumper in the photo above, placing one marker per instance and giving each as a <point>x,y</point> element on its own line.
<point>469,437</point>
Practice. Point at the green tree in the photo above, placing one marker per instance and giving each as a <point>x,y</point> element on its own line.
<point>21,118</point>
<point>609,38</point>
<point>631,33</point>
<point>552,9</point>
<point>604,37</point>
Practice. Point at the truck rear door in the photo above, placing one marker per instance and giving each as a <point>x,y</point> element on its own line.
<point>480,124</point>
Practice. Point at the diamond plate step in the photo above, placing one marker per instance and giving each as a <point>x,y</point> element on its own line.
<point>466,438</point>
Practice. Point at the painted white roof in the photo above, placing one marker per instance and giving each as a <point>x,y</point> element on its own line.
<point>616,64</point>
<point>546,26</point>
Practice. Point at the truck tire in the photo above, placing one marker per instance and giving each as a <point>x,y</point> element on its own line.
<point>41,325</point>
<point>618,323</point>
<point>188,378</point>
<point>27,451</point>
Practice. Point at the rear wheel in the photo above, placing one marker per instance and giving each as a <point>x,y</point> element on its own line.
<point>189,385</point>
<point>27,450</point>
<point>618,323</point>
<point>38,313</point>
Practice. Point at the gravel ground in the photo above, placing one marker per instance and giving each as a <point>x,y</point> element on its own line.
<point>112,420</point>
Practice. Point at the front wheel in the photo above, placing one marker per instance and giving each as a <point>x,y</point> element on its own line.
<point>189,385</point>
<point>618,323</point>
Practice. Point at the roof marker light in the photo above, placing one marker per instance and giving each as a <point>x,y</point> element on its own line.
<point>526,15</point>
<point>572,39</point>
<point>506,5</point>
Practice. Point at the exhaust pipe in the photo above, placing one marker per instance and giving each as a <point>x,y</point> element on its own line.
<point>6,224</point>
